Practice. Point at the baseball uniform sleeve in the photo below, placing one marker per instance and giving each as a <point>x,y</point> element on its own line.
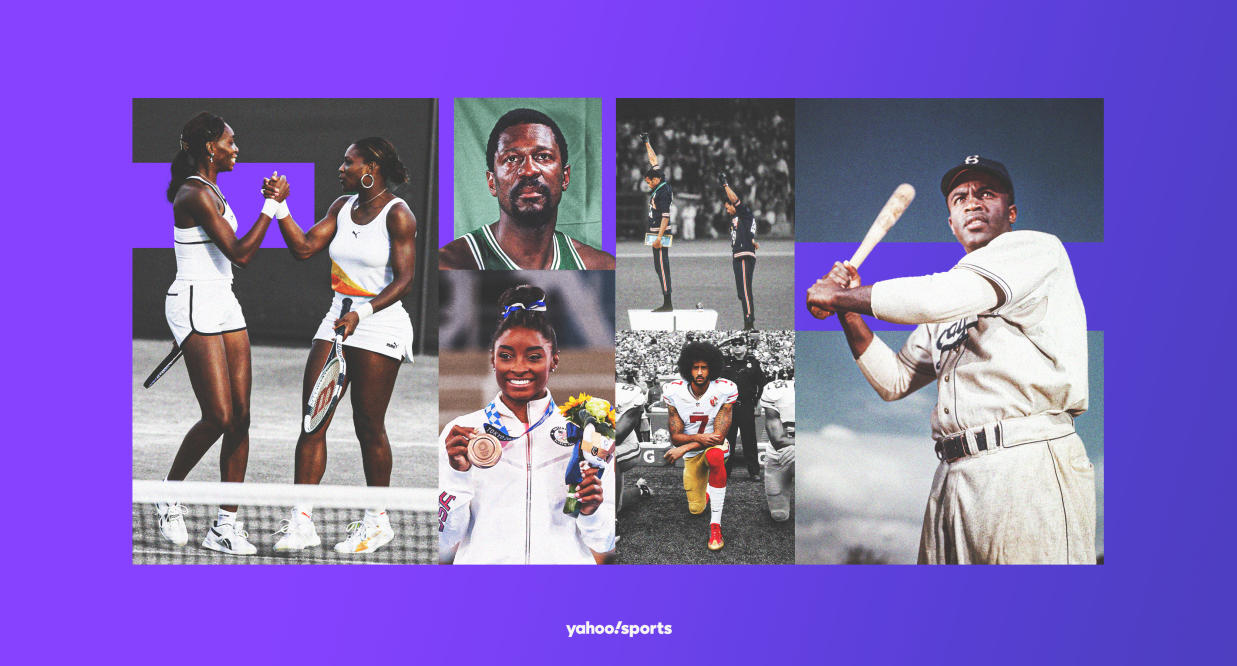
<point>1019,263</point>
<point>454,497</point>
<point>895,376</point>
<point>932,299</point>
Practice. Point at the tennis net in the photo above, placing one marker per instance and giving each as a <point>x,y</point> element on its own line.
<point>263,509</point>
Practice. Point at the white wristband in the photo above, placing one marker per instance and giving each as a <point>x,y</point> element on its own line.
<point>283,213</point>
<point>363,310</point>
<point>270,207</point>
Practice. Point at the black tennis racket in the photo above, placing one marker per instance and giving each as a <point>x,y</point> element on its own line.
<point>329,386</point>
<point>164,365</point>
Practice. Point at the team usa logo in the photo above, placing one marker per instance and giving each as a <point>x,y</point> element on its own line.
<point>952,336</point>
<point>444,509</point>
<point>559,435</point>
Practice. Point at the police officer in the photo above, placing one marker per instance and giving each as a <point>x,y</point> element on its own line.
<point>745,371</point>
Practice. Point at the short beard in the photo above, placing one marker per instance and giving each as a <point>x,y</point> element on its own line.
<point>532,219</point>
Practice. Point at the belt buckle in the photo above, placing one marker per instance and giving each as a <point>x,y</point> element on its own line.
<point>943,448</point>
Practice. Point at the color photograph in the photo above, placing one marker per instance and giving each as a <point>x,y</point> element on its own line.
<point>527,428</point>
<point>301,354</point>
<point>982,231</point>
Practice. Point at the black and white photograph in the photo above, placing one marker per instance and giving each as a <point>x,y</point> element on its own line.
<point>706,447</point>
<point>284,331</point>
<point>706,213</point>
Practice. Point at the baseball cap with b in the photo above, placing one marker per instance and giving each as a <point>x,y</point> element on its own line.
<point>977,163</point>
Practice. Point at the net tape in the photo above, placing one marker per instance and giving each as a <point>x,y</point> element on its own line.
<point>262,508</point>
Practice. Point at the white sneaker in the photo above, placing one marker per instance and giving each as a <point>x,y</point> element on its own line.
<point>368,535</point>
<point>229,538</point>
<point>297,533</point>
<point>172,522</point>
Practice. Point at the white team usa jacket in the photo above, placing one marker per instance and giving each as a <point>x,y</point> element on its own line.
<point>512,513</point>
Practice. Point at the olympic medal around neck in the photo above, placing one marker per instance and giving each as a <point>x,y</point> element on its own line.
<point>484,450</point>
<point>485,447</point>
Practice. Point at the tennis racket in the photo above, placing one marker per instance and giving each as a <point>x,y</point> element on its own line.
<point>329,386</point>
<point>164,365</point>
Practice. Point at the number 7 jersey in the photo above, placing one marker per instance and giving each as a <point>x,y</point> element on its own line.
<point>699,414</point>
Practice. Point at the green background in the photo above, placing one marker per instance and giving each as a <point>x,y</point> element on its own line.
<point>579,212</point>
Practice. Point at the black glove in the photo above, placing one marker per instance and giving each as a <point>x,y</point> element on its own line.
<point>644,137</point>
<point>721,178</point>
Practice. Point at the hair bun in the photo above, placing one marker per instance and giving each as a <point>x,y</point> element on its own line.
<point>522,293</point>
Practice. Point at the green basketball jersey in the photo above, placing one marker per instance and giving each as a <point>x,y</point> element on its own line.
<point>491,257</point>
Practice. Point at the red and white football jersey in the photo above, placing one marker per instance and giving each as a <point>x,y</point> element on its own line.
<point>699,414</point>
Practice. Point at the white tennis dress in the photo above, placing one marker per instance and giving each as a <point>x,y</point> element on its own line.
<point>200,300</point>
<point>360,270</point>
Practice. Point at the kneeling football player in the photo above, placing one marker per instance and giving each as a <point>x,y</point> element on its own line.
<point>700,406</point>
<point>778,401</point>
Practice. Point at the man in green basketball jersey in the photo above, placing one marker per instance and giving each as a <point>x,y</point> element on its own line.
<point>528,172</point>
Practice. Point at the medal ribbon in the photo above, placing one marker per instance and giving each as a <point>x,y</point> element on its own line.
<point>496,428</point>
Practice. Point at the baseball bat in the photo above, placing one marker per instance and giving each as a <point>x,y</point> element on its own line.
<point>892,210</point>
<point>898,201</point>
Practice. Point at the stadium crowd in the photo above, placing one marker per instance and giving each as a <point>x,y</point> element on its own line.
<point>751,140</point>
<point>654,355</point>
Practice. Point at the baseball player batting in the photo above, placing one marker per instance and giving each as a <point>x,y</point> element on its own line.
<point>1004,335</point>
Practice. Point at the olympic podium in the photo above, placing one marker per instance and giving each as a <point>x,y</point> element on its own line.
<point>678,320</point>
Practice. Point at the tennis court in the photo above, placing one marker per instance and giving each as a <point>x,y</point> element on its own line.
<point>163,413</point>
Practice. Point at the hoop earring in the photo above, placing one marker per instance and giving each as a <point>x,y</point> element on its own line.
<point>371,181</point>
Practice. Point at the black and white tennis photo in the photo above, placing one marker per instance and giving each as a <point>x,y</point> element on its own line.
<point>705,213</point>
<point>705,454</point>
<point>285,312</point>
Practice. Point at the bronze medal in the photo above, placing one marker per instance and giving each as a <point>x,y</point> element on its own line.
<point>484,450</point>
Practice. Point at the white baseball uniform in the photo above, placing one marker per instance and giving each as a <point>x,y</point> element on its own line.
<point>1014,484</point>
<point>778,401</point>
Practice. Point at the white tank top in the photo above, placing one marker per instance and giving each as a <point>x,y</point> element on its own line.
<point>197,256</point>
<point>361,253</point>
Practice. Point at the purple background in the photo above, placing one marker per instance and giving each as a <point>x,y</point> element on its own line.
<point>1164,300</point>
